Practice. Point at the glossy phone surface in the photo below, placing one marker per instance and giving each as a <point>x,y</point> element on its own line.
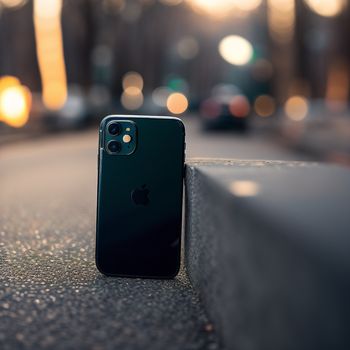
<point>139,204</point>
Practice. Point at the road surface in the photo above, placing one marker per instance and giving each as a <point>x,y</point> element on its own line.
<point>51,295</point>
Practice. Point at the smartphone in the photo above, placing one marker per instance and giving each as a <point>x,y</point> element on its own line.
<point>139,201</point>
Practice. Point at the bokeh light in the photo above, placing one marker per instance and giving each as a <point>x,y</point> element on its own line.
<point>49,46</point>
<point>47,9</point>
<point>217,8</point>
<point>187,47</point>
<point>160,96</point>
<point>239,106</point>
<point>132,96</point>
<point>15,104</point>
<point>177,83</point>
<point>247,5</point>
<point>236,50</point>
<point>264,106</point>
<point>281,19</point>
<point>223,8</point>
<point>177,103</point>
<point>8,81</point>
<point>13,3</point>
<point>132,91</point>
<point>210,109</point>
<point>296,108</point>
<point>133,79</point>
<point>326,8</point>
<point>131,102</point>
<point>244,188</point>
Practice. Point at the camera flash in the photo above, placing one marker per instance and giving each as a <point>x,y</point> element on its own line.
<point>126,138</point>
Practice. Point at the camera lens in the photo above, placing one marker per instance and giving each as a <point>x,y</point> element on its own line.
<point>114,146</point>
<point>114,128</point>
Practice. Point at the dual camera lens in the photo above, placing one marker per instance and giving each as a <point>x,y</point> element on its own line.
<point>114,146</point>
<point>119,137</point>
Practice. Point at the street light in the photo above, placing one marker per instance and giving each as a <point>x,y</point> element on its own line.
<point>326,8</point>
<point>236,50</point>
<point>15,101</point>
<point>49,47</point>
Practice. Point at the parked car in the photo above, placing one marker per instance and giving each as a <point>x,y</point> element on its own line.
<point>226,108</point>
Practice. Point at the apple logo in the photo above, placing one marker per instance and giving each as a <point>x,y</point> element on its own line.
<point>140,195</point>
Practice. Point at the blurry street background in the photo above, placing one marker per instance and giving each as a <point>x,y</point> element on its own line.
<point>253,79</point>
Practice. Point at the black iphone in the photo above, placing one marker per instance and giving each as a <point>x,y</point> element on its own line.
<point>139,201</point>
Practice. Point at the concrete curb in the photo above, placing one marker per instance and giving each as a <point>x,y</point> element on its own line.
<point>266,247</point>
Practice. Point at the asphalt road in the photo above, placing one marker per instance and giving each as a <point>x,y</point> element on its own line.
<point>253,145</point>
<point>51,295</point>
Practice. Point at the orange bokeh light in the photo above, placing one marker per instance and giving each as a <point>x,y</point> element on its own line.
<point>177,103</point>
<point>239,106</point>
<point>15,102</point>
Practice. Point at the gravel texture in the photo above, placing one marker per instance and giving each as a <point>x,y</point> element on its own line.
<point>51,295</point>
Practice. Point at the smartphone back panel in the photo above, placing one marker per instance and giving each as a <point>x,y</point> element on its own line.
<point>139,208</point>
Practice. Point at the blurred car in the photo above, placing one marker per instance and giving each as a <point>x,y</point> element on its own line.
<point>321,130</point>
<point>226,108</point>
